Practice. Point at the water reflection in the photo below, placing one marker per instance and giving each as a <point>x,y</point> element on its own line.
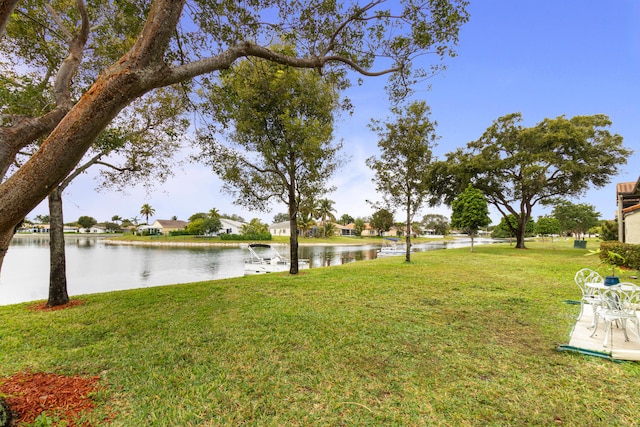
<point>93,266</point>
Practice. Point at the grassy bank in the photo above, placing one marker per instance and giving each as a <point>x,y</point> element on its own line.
<point>452,339</point>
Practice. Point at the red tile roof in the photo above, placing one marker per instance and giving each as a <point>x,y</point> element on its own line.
<point>625,187</point>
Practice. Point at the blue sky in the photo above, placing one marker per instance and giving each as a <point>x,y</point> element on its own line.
<point>542,58</point>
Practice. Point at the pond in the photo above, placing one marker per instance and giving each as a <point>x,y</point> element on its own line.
<point>94,266</point>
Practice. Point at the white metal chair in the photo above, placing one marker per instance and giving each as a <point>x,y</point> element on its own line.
<point>620,303</point>
<point>589,295</point>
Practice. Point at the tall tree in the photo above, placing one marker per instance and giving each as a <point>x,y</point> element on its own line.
<point>401,171</point>
<point>86,222</point>
<point>146,211</point>
<point>255,226</point>
<point>359,226</point>
<point>304,222</point>
<point>139,151</point>
<point>202,226</point>
<point>436,222</point>
<point>325,211</point>
<point>574,218</point>
<point>381,220</point>
<point>280,217</point>
<point>609,230</point>
<point>282,144</point>
<point>516,168</point>
<point>547,226</point>
<point>141,47</point>
<point>346,219</point>
<point>470,212</point>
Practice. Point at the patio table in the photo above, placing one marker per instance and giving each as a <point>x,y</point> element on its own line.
<point>614,306</point>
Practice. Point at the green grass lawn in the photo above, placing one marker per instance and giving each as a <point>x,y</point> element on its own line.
<point>452,339</point>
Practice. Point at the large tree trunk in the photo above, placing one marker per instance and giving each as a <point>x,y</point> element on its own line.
<point>5,238</point>
<point>293,238</point>
<point>6,8</point>
<point>408,237</point>
<point>58,268</point>
<point>522,230</point>
<point>520,234</point>
<point>139,71</point>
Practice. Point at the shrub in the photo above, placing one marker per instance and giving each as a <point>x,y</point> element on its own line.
<point>249,236</point>
<point>630,254</point>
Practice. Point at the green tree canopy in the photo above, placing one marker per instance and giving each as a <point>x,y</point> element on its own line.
<point>505,229</point>
<point>346,219</point>
<point>325,214</point>
<point>547,226</point>
<point>574,218</point>
<point>204,226</point>
<point>281,217</point>
<point>93,60</point>
<point>436,222</point>
<point>146,211</point>
<point>516,168</point>
<point>470,212</point>
<point>381,220</point>
<point>359,226</point>
<point>198,215</point>
<point>255,226</point>
<point>281,146</point>
<point>401,171</point>
<point>609,230</point>
<point>86,222</point>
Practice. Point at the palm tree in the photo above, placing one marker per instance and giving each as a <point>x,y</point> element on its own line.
<point>346,219</point>
<point>146,210</point>
<point>325,211</point>
<point>305,222</point>
<point>116,218</point>
<point>255,226</point>
<point>214,213</point>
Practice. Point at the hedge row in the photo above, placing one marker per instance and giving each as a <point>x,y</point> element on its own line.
<point>250,236</point>
<point>630,254</point>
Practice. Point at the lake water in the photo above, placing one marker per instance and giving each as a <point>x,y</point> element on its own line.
<point>94,266</point>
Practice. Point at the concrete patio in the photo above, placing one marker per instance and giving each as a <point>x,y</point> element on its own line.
<point>580,340</point>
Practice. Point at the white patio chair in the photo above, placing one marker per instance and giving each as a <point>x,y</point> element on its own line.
<point>589,295</point>
<point>620,303</point>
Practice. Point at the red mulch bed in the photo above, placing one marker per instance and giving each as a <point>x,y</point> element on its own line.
<point>42,306</point>
<point>29,394</point>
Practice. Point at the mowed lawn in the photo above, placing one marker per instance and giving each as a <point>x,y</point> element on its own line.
<point>453,339</point>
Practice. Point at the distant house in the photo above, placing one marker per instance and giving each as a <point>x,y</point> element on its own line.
<point>628,197</point>
<point>369,231</point>
<point>346,230</point>
<point>165,226</point>
<point>229,226</point>
<point>37,228</point>
<point>280,229</point>
<point>97,229</point>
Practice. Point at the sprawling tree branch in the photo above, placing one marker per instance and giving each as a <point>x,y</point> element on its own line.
<point>30,129</point>
<point>147,65</point>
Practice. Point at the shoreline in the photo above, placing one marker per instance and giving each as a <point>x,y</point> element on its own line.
<point>107,239</point>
